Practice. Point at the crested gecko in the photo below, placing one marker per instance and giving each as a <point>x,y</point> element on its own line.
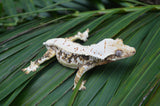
<point>83,58</point>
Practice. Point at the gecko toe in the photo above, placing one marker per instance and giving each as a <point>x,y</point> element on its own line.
<point>82,88</point>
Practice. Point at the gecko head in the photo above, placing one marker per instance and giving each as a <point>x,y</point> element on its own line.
<point>122,51</point>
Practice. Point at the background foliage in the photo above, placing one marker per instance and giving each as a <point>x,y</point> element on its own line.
<point>26,24</point>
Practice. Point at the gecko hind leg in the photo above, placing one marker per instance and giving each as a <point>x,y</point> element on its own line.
<point>82,36</point>
<point>79,74</point>
<point>35,64</point>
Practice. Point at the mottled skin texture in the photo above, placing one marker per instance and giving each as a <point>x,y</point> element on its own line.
<point>77,60</point>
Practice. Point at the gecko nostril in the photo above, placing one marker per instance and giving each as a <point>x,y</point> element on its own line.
<point>134,52</point>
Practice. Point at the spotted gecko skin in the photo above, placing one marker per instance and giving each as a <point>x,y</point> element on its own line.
<point>74,60</point>
<point>84,58</point>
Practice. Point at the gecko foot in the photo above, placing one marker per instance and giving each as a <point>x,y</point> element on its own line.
<point>30,68</point>
<point>83,36</point>
<point>82,87</point>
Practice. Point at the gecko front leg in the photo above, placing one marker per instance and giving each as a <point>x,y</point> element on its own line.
<point>35,64</point>
<point>79,74</point>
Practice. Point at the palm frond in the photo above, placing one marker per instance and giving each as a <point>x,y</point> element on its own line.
<point>132,81</point>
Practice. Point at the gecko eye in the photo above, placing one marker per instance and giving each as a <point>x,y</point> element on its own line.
<point>118,53</point>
